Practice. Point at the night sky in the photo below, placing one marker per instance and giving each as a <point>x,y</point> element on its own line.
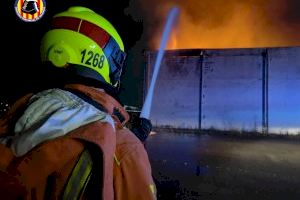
<point>202,24</point>
<point>21,41</point>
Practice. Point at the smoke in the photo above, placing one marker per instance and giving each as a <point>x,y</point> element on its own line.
<point>220,23</point>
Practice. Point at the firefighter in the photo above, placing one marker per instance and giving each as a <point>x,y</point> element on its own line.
<point>70,141</point>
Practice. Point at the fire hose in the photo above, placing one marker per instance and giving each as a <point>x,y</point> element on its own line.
<point>145,112</point>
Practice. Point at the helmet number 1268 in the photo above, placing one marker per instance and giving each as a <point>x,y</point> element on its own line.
<point>92,59</point>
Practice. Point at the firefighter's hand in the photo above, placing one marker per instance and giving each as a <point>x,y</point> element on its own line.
<point>141,127</point>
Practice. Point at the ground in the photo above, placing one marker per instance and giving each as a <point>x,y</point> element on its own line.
<point>213,166</point>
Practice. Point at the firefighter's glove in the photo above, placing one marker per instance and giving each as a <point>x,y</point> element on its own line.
<point>142,128</point>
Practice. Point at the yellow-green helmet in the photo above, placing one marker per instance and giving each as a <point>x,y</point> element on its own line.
<point>81,38</point>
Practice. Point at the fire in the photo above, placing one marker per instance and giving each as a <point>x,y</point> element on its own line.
<point>173,41</point>
<point>230,24</point>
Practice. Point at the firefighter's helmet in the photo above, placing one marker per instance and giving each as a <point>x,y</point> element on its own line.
<point>82,39</point>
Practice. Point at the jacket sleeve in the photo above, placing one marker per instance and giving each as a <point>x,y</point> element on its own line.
<point>132,170</point>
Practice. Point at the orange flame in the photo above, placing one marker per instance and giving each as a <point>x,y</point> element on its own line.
<point>237,25</point>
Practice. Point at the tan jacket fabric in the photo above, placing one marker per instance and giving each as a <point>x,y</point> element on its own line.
<point>43,172</point>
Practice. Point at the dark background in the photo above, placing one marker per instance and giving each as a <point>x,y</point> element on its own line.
<point>20,67</point>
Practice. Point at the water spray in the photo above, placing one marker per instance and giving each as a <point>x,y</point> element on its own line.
<point>145,113</point>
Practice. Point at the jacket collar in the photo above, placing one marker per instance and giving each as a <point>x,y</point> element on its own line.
<point>111,106</point>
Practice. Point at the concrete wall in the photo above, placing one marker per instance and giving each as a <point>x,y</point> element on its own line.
<point>176,98</point>
<point>231,89</point>
<point>284,90</point>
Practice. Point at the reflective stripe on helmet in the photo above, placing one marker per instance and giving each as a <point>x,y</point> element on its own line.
<point>97,34</point>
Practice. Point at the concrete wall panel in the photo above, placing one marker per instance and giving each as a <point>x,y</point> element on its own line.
<point>284,90</point>
<point>231,89</point>
<point>176,94</point>
<point>232,85</point>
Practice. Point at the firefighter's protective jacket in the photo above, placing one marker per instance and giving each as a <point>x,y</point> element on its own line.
<point>71,143</point>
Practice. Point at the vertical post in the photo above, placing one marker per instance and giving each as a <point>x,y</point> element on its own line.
<point>265,92</point>
<point>200,89</point>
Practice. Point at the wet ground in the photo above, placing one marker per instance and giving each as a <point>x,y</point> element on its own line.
<point>189,167</point>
